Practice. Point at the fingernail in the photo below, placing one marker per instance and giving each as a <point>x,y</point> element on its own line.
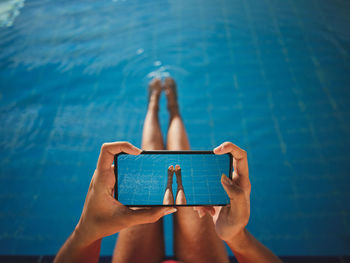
<point>200,213</point>
<point>227,180</point>
<point>137,149</point>
<point>217,148</point>
<point>170,211</point>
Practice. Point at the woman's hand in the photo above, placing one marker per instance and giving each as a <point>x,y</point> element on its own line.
<point>231,220</point>
<point>102,214</point>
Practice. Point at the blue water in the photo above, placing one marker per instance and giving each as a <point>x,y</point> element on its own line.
<point>271,76</point>
<point>143,179</point>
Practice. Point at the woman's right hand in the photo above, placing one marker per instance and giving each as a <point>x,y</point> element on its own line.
<point>231,219</point>
<point>102,214</point>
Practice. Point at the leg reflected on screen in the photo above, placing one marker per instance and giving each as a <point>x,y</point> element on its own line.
<point>168,195</point>
<point>180,193</point>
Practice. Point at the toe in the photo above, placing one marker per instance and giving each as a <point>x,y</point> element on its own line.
<point>155,86</point>
<point>155,83</point>
<point>169,82</point>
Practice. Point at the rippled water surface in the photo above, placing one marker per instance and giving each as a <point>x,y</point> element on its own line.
<point>271,76</point>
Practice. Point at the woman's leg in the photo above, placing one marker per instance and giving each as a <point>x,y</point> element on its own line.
<point>195,238</point>
<point>168,195</point>
<point>145,243</point>
<point>180,193</point>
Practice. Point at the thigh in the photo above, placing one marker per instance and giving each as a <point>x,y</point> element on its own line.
<point>141,243</point>
<point>196,239</point>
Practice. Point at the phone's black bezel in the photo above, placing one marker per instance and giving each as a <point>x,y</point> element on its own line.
<point>165,152</point>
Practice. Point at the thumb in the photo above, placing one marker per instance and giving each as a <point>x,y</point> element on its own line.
<point>150,215</point>
<point>230,187</point>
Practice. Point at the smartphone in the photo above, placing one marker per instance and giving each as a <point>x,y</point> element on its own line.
<point>171,178</point>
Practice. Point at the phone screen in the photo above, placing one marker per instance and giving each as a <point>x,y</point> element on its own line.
<point>167,178</point>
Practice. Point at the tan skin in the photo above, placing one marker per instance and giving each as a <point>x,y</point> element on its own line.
<point>168,195</point>
<point>196,238</point>
<point>180,193</point>
<point>103,215</point>
<point>230,221</point>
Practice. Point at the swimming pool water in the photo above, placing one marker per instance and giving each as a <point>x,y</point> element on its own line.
<point>271,76</point>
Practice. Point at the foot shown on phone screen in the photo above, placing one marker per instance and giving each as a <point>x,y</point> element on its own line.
<point>168,195</point>
<point>180,193</point>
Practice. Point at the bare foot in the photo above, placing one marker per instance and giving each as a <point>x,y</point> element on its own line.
<point>168,198</point>
<point>180,193</point>
<point>154,91</point>
<point>170,176</point>
<point>171,94</point>
<point>178,177</point>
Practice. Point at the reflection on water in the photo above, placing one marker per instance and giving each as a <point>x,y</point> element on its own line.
<point>9,9</point>
<point>88,35</point>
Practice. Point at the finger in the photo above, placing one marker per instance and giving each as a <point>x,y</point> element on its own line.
<point>197,209</point>
<point>229,147</point>
<point>108,150</point>
<point>203,210</point>
<point>240,160</point>
<point>208,210</point>
<point>200,212</point>
<point>230,187</point>
<point>217,212</point>
<point>211,210</point>
<point>150,215</point>
<point>139,207</point>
